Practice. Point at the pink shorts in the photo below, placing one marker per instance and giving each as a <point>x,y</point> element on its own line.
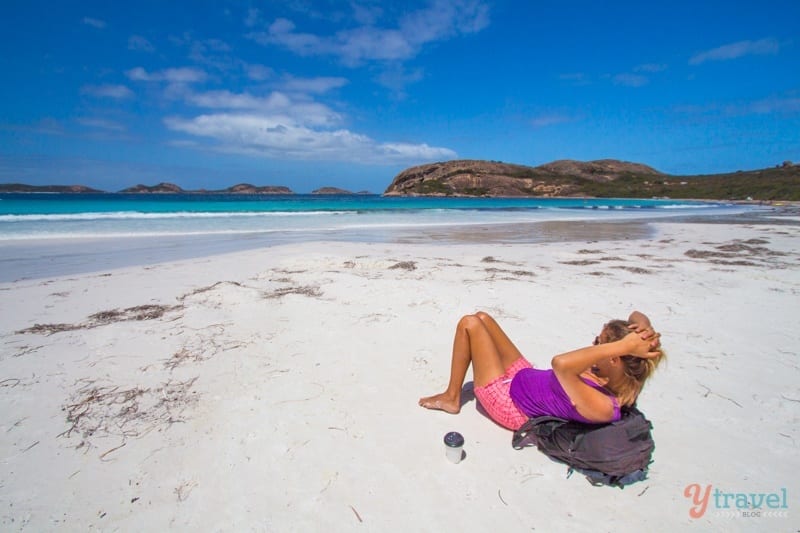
<point>496,400</point>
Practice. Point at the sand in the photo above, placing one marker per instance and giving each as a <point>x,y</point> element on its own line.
<point>276,389</point>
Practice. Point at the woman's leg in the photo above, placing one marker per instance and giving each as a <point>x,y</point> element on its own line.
<point>507,350</point>
<point>474,344</point>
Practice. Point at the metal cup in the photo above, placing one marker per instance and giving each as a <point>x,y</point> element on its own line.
<point>453,445</point>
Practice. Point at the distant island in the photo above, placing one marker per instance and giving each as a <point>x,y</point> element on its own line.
<point>604,178</point>
<point>241,188</point>
<point>21,187</point>
<point>165,188</point>
<point>336,190</point>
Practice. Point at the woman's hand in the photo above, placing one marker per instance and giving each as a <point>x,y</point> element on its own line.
<point>644,344</point>
<point>639,323</point>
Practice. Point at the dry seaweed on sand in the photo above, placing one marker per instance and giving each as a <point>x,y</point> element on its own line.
<point>581,262</point>
<point>493,270</point>
<point>739,252</point>
<point>208,288</point>
<point>634,270</point>
<point>102,318</point>
<point>138,313</point>
<point>307,290</point>
<point>49,329</point>
<point>404,265</point>
<point>132,412</point>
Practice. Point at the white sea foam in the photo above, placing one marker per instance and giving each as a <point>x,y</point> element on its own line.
<point>131,224</point>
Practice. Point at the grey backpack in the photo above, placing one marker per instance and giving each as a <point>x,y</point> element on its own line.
<point>615,454</point>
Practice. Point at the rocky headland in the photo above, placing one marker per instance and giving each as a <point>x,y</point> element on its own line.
<point>601,178</point>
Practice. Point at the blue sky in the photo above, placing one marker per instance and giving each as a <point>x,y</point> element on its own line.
<point>307,94</point>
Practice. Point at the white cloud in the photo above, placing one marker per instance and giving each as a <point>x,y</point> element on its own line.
<point>101,123</point>
<point>253,17</point>
<point>258,72</point>
<point>631,80</point>
<point>764,106</point>
<point>212,53</point>
<point>650,68</point>
<point>551,119</point>
<point>576,78</point>
<point>443,19</point>
<point>118,92</point>
<point>398,78</point>
<point>140,44</point>
<point>406,152</point>
<point>359,44</point>
<point>737,50</point>
<point>285,138</point>
<point>276,104</point>
<point>367,14</point>
<point>318,85</point>
<point>170,75</point>
<point>95,23</point>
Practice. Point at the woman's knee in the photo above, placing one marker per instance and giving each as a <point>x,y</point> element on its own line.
<point>484,317</point>
<point>470,322</point>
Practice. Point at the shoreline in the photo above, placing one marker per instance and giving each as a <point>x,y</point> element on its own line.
<point>267,388</point>
<point>43,258</point>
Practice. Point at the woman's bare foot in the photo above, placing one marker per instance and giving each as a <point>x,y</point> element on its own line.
<point>442,402</point>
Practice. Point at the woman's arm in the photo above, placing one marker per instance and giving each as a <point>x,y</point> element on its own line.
<point>590,402</point>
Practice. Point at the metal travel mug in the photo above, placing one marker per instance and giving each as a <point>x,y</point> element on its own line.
<point>453,445</point>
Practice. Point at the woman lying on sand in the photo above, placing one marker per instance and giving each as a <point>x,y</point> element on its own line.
<point>588,385</point>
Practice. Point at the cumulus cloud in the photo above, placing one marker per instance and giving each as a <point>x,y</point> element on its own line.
<point>771,105</point>
<point>117,92</point>
<point>285,138</point>
<point>443,19</point>
<point>101,123</point>
<point>397,78</point>
<point>170,75</point>
<point>275,104</point>
<point>630,80</point>
<point>290,126</point>
<point>650,68</point>
<point>253,17</point>
<point>737,50</point>
<point>317,85</point>
<point>258,72</point>
<point>95,23</point>
<point>576,78</point>
<point>140,44</point>
<point>763,106</point>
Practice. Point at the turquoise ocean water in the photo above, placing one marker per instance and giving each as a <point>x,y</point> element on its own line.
<point>68,216</point>
<point>57,234</point>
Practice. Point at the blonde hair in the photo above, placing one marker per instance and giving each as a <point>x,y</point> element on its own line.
<point>636,369</point>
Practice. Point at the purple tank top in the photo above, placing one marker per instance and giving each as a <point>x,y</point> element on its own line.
<point>538,392</point>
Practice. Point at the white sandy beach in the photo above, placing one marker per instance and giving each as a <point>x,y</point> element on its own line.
<point>276,389</point>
